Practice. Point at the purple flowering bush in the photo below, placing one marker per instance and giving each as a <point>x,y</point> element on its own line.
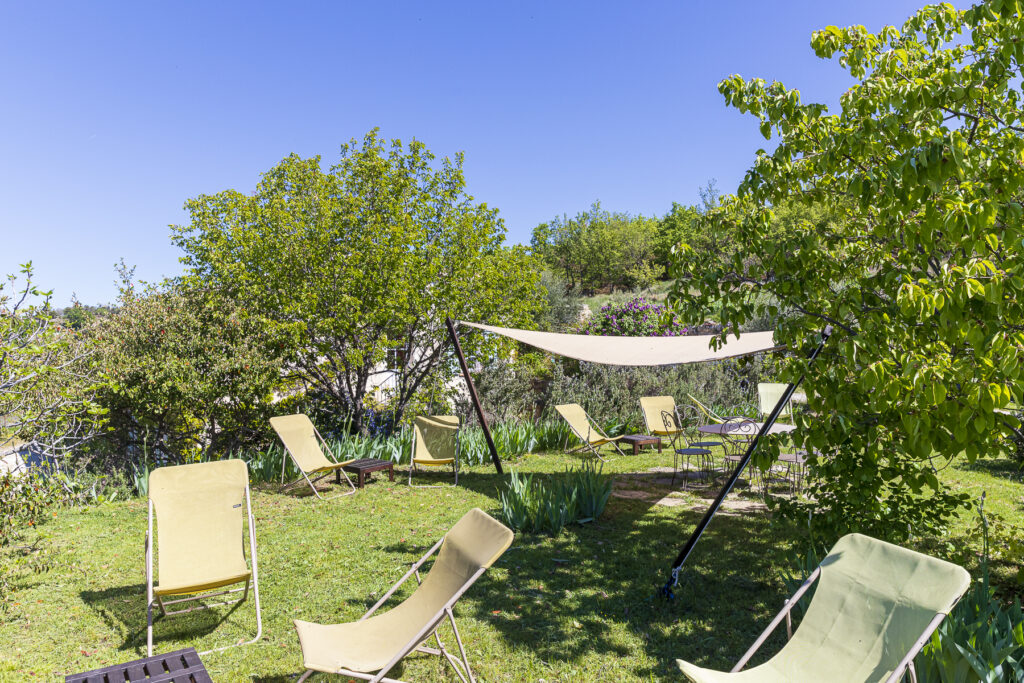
<point>637,317</point>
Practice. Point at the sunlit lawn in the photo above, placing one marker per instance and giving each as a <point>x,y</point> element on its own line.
<point>580,607</point>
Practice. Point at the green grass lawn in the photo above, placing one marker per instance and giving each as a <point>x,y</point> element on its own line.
<point>580,607</point>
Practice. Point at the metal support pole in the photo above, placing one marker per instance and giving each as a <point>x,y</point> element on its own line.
<point>472,394</point>
<point>776,411</point>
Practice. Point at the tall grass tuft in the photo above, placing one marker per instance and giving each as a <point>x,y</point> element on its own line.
<point>535,505</point>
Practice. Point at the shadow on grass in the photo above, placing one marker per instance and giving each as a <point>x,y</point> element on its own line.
<point>619,566</point>
<point>570,598</point>
<point>997,467</point>
<point>123,608</point>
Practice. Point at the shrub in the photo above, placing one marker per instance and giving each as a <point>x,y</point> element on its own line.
<point>579,495</point>
<point>185,375</point>
<point>637,317</point>
<point>611,394</point>
<point>982,639</point>
<point>25,502</point>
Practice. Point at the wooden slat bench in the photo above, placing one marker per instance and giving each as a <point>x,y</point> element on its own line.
<point>180,666</point>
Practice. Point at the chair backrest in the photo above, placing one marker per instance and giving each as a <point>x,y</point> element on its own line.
<point>768,394</point>
<point>578,421</point>
<point>299,437</point>
<point>872,602</point>
<point>435,437</point>
<point>199,513</point>
<point>475,542</point>
<point>708,414</point>
<point>654,409</point>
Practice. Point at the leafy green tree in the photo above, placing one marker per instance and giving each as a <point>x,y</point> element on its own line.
<point>185,372</point>
<point>919,269</point>
<point>364,259</point>
<point>679,225</point>
<point>599,249</point>
<point>46,409</point>
<point>46,375</point>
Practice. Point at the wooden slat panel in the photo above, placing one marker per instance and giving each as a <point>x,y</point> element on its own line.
<point>181,666</point>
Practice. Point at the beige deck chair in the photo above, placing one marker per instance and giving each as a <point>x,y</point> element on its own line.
<point>875,607</point>
<point>369,648</point>
<point>199,516</point>
<point>303,442</point>
<point>435,443</point>
<point>584,428</point>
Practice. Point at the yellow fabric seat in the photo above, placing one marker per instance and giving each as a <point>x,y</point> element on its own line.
<point>377,642</point>
<point>191,584</point>
<point>303,443</point>
<point>655,408</point>
<point>435,443</point>
<point>200,510</point>
<point>585,430</point>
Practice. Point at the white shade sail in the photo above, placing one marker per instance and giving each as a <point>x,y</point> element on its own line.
<point>637,351</point>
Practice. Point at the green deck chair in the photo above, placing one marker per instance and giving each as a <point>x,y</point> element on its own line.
<point>371,647</point>
<point>875,607</point>
<point>200,549</point>
<point>435,443</point>
<point>306,448</point>
<point>585,429</point>
<point>768,394</point>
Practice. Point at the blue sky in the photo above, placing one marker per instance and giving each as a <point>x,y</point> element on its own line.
<point>113,114</point>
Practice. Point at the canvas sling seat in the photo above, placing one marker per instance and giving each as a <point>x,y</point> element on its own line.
<point>435,443</point>
<point>585,430</point>
<point>367,649</point>
<point>654,409</point>
<point>874,608</point>
<point>770,393</point>
<point>200,541</point>
<point>306,448</point>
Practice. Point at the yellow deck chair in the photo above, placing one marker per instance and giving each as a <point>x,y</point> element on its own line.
<point>435,443</point>
<point>709,415</point>
<point>655,409</point>
<point>198,509</point>
<point>369,648</point>
<point>584,428</point>
<point>875,607</point>
<point>303,443</point>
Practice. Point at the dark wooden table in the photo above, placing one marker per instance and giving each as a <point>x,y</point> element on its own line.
<point>364,466</point>
<point>639,440</point>
<point>180,666</point>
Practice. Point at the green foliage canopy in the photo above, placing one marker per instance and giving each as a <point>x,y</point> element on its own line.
<point>598,249</point>
<point>365,258</point>
<point>46,377</point>
<point>921,273</point>
<point>184,372</point>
